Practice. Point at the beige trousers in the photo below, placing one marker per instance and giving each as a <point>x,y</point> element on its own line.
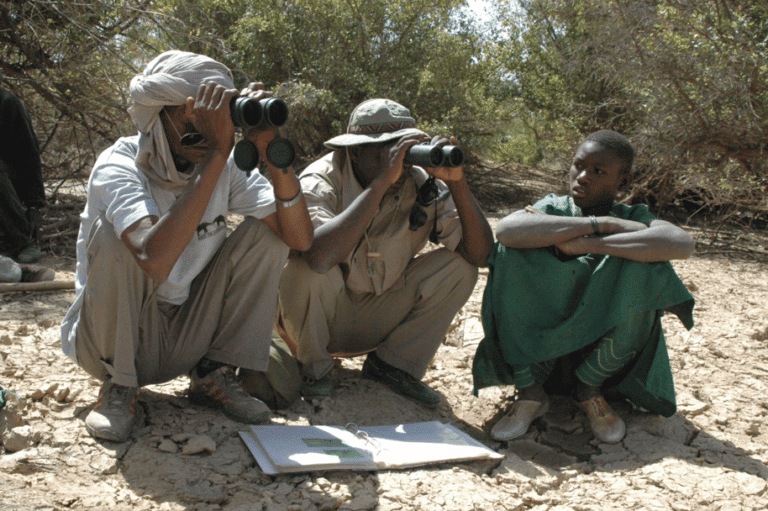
<point>126,334</point>
<point>405,326</point>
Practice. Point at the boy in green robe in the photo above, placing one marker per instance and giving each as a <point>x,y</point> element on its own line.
<point>583,280</point>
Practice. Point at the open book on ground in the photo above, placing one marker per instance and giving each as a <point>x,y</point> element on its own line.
<point>280,449</point>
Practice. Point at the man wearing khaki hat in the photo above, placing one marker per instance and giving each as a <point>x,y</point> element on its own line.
<point>361,288</point>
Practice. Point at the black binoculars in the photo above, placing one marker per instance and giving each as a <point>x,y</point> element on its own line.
<point>265,113</point>
<point>258,113</point>
<point>434,156</point>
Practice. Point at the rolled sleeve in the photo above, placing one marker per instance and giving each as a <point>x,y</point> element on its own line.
<point>119,190</point>
<point>322,200</point>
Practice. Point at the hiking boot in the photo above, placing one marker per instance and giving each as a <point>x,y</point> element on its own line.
<point>221,389</point>
<point>114,414</point>
<point>33,273</point>
<point>29,254</point>
<point>320,387</point>
<point>398,380</point>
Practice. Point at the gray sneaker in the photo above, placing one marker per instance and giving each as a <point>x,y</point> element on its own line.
<point>114,414</point>
<point>9,270</point>
<point>221,389</point>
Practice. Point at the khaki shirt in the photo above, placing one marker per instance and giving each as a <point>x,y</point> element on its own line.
<point>378,261</point>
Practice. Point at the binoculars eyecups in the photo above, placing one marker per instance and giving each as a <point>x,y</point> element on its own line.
<point>252,113</point>
<point>280,153</point>
<point>434,156</point>
<point>263,113</point>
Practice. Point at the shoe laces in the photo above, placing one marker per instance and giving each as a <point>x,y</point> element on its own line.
<point>117,397</point>
<point>598,408</point>
<point>231,384</point>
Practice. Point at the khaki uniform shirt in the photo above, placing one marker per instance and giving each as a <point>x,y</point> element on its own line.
<point>379,260</point>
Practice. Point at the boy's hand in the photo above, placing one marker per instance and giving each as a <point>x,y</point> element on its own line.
<point>575,247</point>
<point>530,209</point>
<point>612,225</point>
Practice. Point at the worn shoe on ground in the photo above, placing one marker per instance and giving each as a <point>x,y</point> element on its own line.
<point>114,414</point>
<point>398,380</point>
<point>606,425</point>
<point>317,387</point>
<point>221,389</point>
<point>519,418</point>
<point>33,273</point>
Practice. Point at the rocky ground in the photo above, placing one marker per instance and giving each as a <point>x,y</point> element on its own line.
<point>711,455</point>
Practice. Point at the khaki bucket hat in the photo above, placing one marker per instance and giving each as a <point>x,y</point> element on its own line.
<point>376,120</point>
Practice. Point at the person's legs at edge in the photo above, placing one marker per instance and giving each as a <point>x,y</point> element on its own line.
<point>13,218</point>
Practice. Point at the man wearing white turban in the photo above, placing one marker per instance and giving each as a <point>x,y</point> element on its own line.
<point>161,290</point>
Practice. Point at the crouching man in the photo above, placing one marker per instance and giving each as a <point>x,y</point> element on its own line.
<point>161,290</point>
<point>361,288</point>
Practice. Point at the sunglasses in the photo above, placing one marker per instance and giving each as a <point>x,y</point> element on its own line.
<point>188,139</point>
<point>426,196</point>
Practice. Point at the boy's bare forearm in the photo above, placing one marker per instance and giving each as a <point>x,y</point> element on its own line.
<point>526,230</point>
<point>660,242</point>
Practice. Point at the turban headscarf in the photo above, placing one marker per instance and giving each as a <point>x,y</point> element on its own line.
<point>169,79</point>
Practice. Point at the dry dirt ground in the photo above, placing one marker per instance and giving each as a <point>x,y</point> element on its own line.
<point>711,455</point>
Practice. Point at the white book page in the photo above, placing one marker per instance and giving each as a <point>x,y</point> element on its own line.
<point>305,448</point>
<point>311,447</point>
<point>425,442</point>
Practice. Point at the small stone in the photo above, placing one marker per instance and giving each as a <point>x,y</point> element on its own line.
<point>360,503</point>
<point>50,390</point>
<point>19,438</point>
<point>199,444</point>
<point>61,394</point>
<point>690,406</point>
<point>167,445</point>
<point>73,394</point>
<point>283,489</point>
<point>11,416</point>
<point>37,395</point>
<point>181,437</point>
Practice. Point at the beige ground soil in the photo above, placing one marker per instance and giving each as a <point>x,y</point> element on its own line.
<point>711,455</point>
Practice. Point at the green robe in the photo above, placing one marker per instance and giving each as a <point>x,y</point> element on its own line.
<point>537,308</point>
